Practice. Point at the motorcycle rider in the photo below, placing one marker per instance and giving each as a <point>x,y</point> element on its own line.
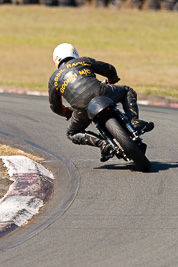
<point>75,80</point>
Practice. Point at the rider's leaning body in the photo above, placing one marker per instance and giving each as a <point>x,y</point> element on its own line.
<point>75,80</point>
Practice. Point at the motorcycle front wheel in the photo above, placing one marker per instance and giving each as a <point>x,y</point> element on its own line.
<point>130,148</point>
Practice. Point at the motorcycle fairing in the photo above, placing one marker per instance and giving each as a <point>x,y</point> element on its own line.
<point>98,104</point>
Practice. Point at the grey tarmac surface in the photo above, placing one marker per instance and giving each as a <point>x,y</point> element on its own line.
<point>119,217</point>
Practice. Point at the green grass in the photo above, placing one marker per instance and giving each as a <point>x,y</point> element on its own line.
<point>142,45</point>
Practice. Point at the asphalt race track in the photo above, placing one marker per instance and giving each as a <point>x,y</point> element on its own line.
<point>100,214</point>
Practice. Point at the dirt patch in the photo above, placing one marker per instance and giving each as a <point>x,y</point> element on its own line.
<point>4,181</point>
<point>4,177</point>
<point>10,151</point>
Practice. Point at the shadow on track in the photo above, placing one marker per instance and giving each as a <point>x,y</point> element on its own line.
<point>163,166</point>
<point>156,166</point>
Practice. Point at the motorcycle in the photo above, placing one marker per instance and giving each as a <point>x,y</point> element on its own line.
<point>114,127</point>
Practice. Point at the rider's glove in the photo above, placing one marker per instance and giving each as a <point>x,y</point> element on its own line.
<point>113,81</point>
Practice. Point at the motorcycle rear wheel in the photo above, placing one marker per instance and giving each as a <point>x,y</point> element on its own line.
<point>130,148</point>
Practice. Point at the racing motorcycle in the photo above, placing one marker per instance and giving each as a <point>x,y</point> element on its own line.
<point>114,127</point>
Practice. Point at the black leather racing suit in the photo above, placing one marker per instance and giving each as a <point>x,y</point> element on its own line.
<point>75,80</point>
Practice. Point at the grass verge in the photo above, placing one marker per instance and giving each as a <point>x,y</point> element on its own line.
<point>142,45</point>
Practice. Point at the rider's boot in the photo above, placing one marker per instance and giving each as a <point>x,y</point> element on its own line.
<point>105,148</point>
<point>106,151</point>
<point>142,126</point>
<point>92,139</point>
<point>131,109</point>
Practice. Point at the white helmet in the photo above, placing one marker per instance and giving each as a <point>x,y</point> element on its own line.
<point>63,51</point>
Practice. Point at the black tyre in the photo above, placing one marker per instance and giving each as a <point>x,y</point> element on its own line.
<point>130,148</point>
